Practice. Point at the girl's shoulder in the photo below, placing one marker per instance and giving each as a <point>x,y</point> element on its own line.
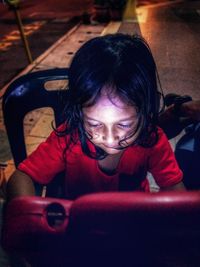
<point>162,137</point>
<point>161,141</point>
<point>162,145</point>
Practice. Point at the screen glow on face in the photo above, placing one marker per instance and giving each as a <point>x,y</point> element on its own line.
<point>109,121</point>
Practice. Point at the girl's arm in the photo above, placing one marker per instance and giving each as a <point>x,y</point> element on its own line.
<point>19,184</point>
<point>177,187</point>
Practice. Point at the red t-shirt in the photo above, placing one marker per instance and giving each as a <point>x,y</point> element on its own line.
<point>83,174</point>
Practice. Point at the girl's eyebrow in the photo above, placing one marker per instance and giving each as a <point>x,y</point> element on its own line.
<point>89,118</point>
<point>122,120</point>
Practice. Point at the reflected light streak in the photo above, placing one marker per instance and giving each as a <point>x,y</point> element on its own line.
<point>8,40</point>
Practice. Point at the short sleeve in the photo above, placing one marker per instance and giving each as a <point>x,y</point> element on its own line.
<point>162,163</point>
<point>47,160</point>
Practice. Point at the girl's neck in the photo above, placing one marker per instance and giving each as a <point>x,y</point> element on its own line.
<point>109,164</point>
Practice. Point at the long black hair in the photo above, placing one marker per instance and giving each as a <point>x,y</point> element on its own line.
<point>124,63</point>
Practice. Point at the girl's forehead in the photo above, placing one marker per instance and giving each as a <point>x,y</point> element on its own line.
<point>109,107</point>
<point>111,100</point>
<point>109,96</point>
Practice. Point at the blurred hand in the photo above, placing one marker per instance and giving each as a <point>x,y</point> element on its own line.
<point>173,124</point>
<point>191,110</point>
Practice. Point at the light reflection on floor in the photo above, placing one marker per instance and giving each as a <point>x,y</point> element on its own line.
<point>14,36</point>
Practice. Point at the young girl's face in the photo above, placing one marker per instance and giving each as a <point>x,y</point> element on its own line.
<point>109,121</point>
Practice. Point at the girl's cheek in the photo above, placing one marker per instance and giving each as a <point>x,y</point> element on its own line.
<point>92,134</point>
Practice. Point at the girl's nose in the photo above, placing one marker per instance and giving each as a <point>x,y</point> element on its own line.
<point>110,137</point>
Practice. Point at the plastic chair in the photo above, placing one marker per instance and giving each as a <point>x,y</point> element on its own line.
<point>25,94</point>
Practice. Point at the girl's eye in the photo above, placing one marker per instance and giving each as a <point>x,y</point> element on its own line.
<point>124,125</point>
<point>94,125</point>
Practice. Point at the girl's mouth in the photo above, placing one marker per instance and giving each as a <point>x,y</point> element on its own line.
<point>113,147</point>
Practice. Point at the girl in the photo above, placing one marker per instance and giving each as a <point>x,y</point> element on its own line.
<point>109,140</point>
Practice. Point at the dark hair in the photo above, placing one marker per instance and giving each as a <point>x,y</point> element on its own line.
<point>126,64</point>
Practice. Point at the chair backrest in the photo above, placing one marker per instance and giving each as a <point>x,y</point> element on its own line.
<point>24,95</point>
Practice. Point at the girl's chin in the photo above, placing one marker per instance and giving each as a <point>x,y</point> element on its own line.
<point>112,150</point>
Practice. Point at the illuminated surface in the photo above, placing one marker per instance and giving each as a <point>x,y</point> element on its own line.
<point>14,36</point>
